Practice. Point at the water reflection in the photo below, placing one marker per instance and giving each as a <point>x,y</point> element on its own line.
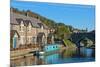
<point>50,59</point>
<point>22,61</point>
<point>87,52</point>
<point>70,56</point>
<point>61,56</point>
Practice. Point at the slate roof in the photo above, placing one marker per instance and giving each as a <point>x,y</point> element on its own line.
<point>16,18</point>
<point>44,26</point>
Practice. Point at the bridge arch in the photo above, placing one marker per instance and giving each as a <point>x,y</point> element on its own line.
<point>85,42</point>
<point>79,37</point>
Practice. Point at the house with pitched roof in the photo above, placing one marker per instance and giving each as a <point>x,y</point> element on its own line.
<point>27,30</point>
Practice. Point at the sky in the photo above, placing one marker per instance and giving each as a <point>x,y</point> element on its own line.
<point>78,16</point>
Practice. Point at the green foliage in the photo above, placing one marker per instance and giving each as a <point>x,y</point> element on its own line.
<point>68,43</point>
<point>61,30</point>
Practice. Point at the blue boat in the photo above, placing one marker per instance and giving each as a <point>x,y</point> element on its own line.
<point>51,47</point>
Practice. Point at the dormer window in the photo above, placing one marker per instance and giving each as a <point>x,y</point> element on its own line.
<point>19,20</point>
<point>41,25</point>
<point>21,26</point>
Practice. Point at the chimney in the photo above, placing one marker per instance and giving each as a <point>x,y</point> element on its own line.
<point>27,13</point>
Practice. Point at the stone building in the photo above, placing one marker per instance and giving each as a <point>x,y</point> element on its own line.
<point>27,30</point>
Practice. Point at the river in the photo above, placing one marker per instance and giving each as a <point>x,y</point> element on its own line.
<point>61,56</point>
<point>70,56</point>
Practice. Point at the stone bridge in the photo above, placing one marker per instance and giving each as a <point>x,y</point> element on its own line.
<point>78,37</point>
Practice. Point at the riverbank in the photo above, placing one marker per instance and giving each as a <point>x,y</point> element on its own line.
<point>21,52</point>
<point>22,57</point>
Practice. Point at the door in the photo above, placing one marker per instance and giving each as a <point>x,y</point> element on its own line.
<point>14,42</point>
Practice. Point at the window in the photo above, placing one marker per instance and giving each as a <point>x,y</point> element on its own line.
<point>34,40</point>
<point>29,39</point>
<point>53,47</point>
<point>22,39</point>
<point>19,28</point>
<point>23,28</point>
<point>29,27</point>
<point>56,46</point>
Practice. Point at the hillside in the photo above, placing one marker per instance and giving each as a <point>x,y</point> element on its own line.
<point>61,30</point>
